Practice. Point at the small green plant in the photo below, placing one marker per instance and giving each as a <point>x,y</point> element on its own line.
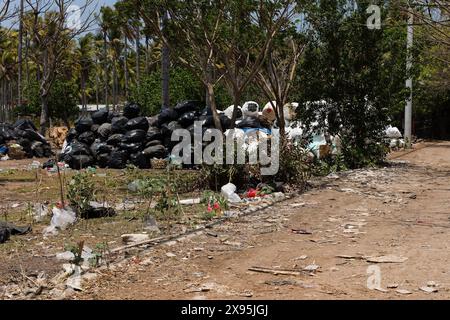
<point>81,191</point>
<point>77,250</point>
<point>215,203</point>
<point>98,254</point>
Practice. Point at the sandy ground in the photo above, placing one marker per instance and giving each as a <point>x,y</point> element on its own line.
<point>402,210</point>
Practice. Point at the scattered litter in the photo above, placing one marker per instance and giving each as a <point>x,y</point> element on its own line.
<point>403,291</point>
<point>301,231</point>
<point>311,268</point>
<point>40,212</point>
<point>171,255</point>
<point>297,205</point>
<point>7,229</point>
<point>429,289</point>
<point>61,219</point>
<point>275,271</point>
<point>229,192</point>
<point>190,201</point>
<point>134,238</point>
<point>65,256</point>
<point>386,259</point>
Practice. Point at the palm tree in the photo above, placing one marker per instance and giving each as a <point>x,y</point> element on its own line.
<point>85,56</point>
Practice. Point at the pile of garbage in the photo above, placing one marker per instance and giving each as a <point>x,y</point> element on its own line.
<point>112,140</point>
<point>21,140</point>
<point>394,137</point>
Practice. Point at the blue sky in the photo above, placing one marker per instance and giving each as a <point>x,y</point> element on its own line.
<point>97,3</point>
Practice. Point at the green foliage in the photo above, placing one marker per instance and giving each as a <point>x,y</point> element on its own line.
<point>215,203</point>
<point>163,190</point>
<point>183,86</point>
<point>62,101</point>
<point>359,73</point>
<point>81,191</point>
<point>77,250</point>
<point>294,166</point>
<point>330,164</point>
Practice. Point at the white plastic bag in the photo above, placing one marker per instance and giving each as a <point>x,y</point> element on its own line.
<point>229,192</point>
<point>393,133</point>
<point>62,218</point>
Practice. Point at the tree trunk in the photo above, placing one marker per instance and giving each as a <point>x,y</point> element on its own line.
<point>27,64</point>
<point>165,70</point>
<point>236,101</point>
<point>105,68</point>
<point>97,81</point>
<point>19,56</point>
<point>147,55</point>
<point>212,104</point>
<point>44,114</point>
<point>125,67</point>
<point>115,89</point>
<point>83,93</point>
<point>138,57</point>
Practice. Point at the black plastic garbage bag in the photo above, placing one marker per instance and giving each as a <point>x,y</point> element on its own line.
<point>137,123</point>
<point>87,137</point>
<point>225,122</point>
<point>168,128</point>
<point>188,119</point>
<point>118,159</point>
<point>166,116</point>
<point>38,149</point>
<point>158,152</point>
<point>83,124</point>
<point>140,160</point>
<point>4,235</point>
<point>24,124</point>
<point>100,117</point>
<point>47,150</point>
<point>95,213</point>
<point>49,164</point>
<point>99,147</point>
<point>32,135</point>
<point>249,122</point>
<point>207,111</point>
<point>112,115</point>
<point>118,125</point>
<point>153,143</point>
<point>26,146</point>
<point>7,132</point>
<point>95,127</point>
<point>7,229</point>
<point>132,110</point>
<point>77,148</point>
<point>79,162</point>
<point>153,134</point>
<point>115,139</point>
<point>153,121</point>
<point>135,136</point>
<point>104,130</point>
<point>102,160</point>
<point>131,147</point>
<point>187,106</point>
<point>71,135</point>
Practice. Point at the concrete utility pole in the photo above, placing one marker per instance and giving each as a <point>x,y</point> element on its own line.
<point>409,82</point>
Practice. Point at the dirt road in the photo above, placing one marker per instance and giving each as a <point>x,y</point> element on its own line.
<point>402,210</point>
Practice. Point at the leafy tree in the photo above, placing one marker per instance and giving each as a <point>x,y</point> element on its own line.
<point>62,101</point>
